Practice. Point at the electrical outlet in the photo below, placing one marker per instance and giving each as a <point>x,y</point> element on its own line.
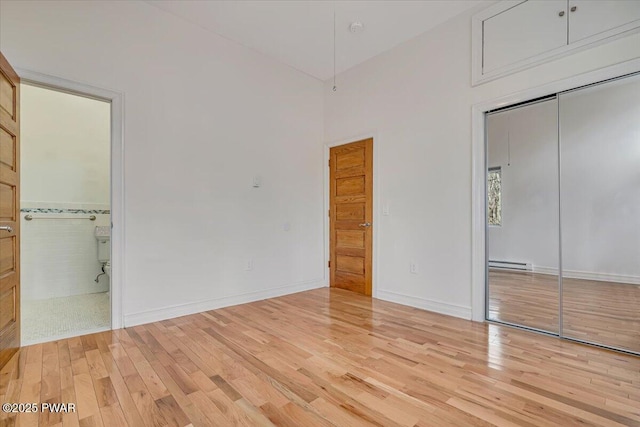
<point>385,209</point>
<point>413,268</point>
<point>248,265</point>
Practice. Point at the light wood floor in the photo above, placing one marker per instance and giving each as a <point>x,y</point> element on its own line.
<point>601,312</point>
<point>325,358</point>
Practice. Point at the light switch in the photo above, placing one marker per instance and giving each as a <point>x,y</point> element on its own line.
<point>385,209</point>
<point>256,181</point>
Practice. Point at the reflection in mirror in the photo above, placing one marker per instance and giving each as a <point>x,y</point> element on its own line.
<point>600,201</point>
<point>522,216</point>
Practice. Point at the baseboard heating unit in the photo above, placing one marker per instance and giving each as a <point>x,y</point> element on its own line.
<point>510,265</point>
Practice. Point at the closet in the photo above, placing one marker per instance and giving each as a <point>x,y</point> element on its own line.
<point>563,214</point>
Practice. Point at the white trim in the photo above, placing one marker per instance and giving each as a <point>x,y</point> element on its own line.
<point>426,304</point>
<point>478,213</point>
<point>538,269</point>
<point>376,204</point>
<point>477,73</point>
<point>179,310</point>
<point>478,162</point>
<point>477,36</point>
<point>589,275</point>
<point>117,173</point>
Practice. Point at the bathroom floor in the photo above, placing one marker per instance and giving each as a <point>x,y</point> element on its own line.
<point>57,318</point>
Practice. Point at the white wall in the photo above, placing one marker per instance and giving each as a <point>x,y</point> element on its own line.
<point>65,148</point>
<point>65,165</point>
<point>523,142</point>
<point>417,98</point>
<point>203,115</point>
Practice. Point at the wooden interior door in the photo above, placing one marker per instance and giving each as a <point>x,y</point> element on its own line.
<point>9,212</point>
<point>351,216</point>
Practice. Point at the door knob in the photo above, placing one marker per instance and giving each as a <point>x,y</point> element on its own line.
<point>6,228</point>
<point>561,13</point>
<point>366,224</point>
<point>574,8</point>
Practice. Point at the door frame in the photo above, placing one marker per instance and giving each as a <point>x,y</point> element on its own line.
<point>116,99</point>
<point>478,161</point>
<point>376,205</point>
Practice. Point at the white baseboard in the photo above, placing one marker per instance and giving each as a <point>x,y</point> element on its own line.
<point>179,310</point>
<point>544,270</point>
<point>588,275</point>
<point>426,304</point>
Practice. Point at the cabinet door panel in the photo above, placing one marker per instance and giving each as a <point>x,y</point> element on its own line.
<point>592,17</point>
<point>526,30</point>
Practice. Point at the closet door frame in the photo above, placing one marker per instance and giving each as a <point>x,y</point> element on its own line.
<point>480,189</point>
<point>479,241</point>
<point>557,97</point>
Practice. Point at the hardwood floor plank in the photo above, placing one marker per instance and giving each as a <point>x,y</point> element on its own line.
<point>31,385</point>
<point>149,411</point>
<point>256,417</point>
<point>50,371</point>
<point>121,359</point>
<point>94,420</point>
<point>127,404</point>
<point>112,415</point>
<point>155,386</point>
<point>85,395</point>
<point>325,357</point>
<point>68,395</point>
<point>172,411</point>
<point>213,416</point>
<point>96,365</point>
<point>105,394</point>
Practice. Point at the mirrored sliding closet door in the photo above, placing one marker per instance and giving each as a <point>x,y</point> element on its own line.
<point>522,216</point>
<point>600,213</point>
<point>563,214</point>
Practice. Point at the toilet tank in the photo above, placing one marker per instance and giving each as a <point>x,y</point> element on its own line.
<point>103,236</point>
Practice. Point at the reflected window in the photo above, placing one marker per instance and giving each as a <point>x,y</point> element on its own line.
<point>494,194</point>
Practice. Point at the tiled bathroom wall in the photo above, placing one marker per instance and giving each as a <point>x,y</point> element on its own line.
<point>64,178</point>
<point>59,257</point>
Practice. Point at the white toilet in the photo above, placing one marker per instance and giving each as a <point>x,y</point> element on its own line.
<point>103,236</point>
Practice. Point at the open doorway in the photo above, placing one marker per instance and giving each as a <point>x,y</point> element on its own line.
<point>65,214</point>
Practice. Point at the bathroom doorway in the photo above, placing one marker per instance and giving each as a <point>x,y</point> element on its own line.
<point>65,214</point>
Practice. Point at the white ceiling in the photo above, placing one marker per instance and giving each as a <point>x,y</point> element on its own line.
<point>300,33</point>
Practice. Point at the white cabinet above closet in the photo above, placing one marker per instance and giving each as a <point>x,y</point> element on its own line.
<point>523,31</point>
<point>589,18</point>
<point>514,35</point>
